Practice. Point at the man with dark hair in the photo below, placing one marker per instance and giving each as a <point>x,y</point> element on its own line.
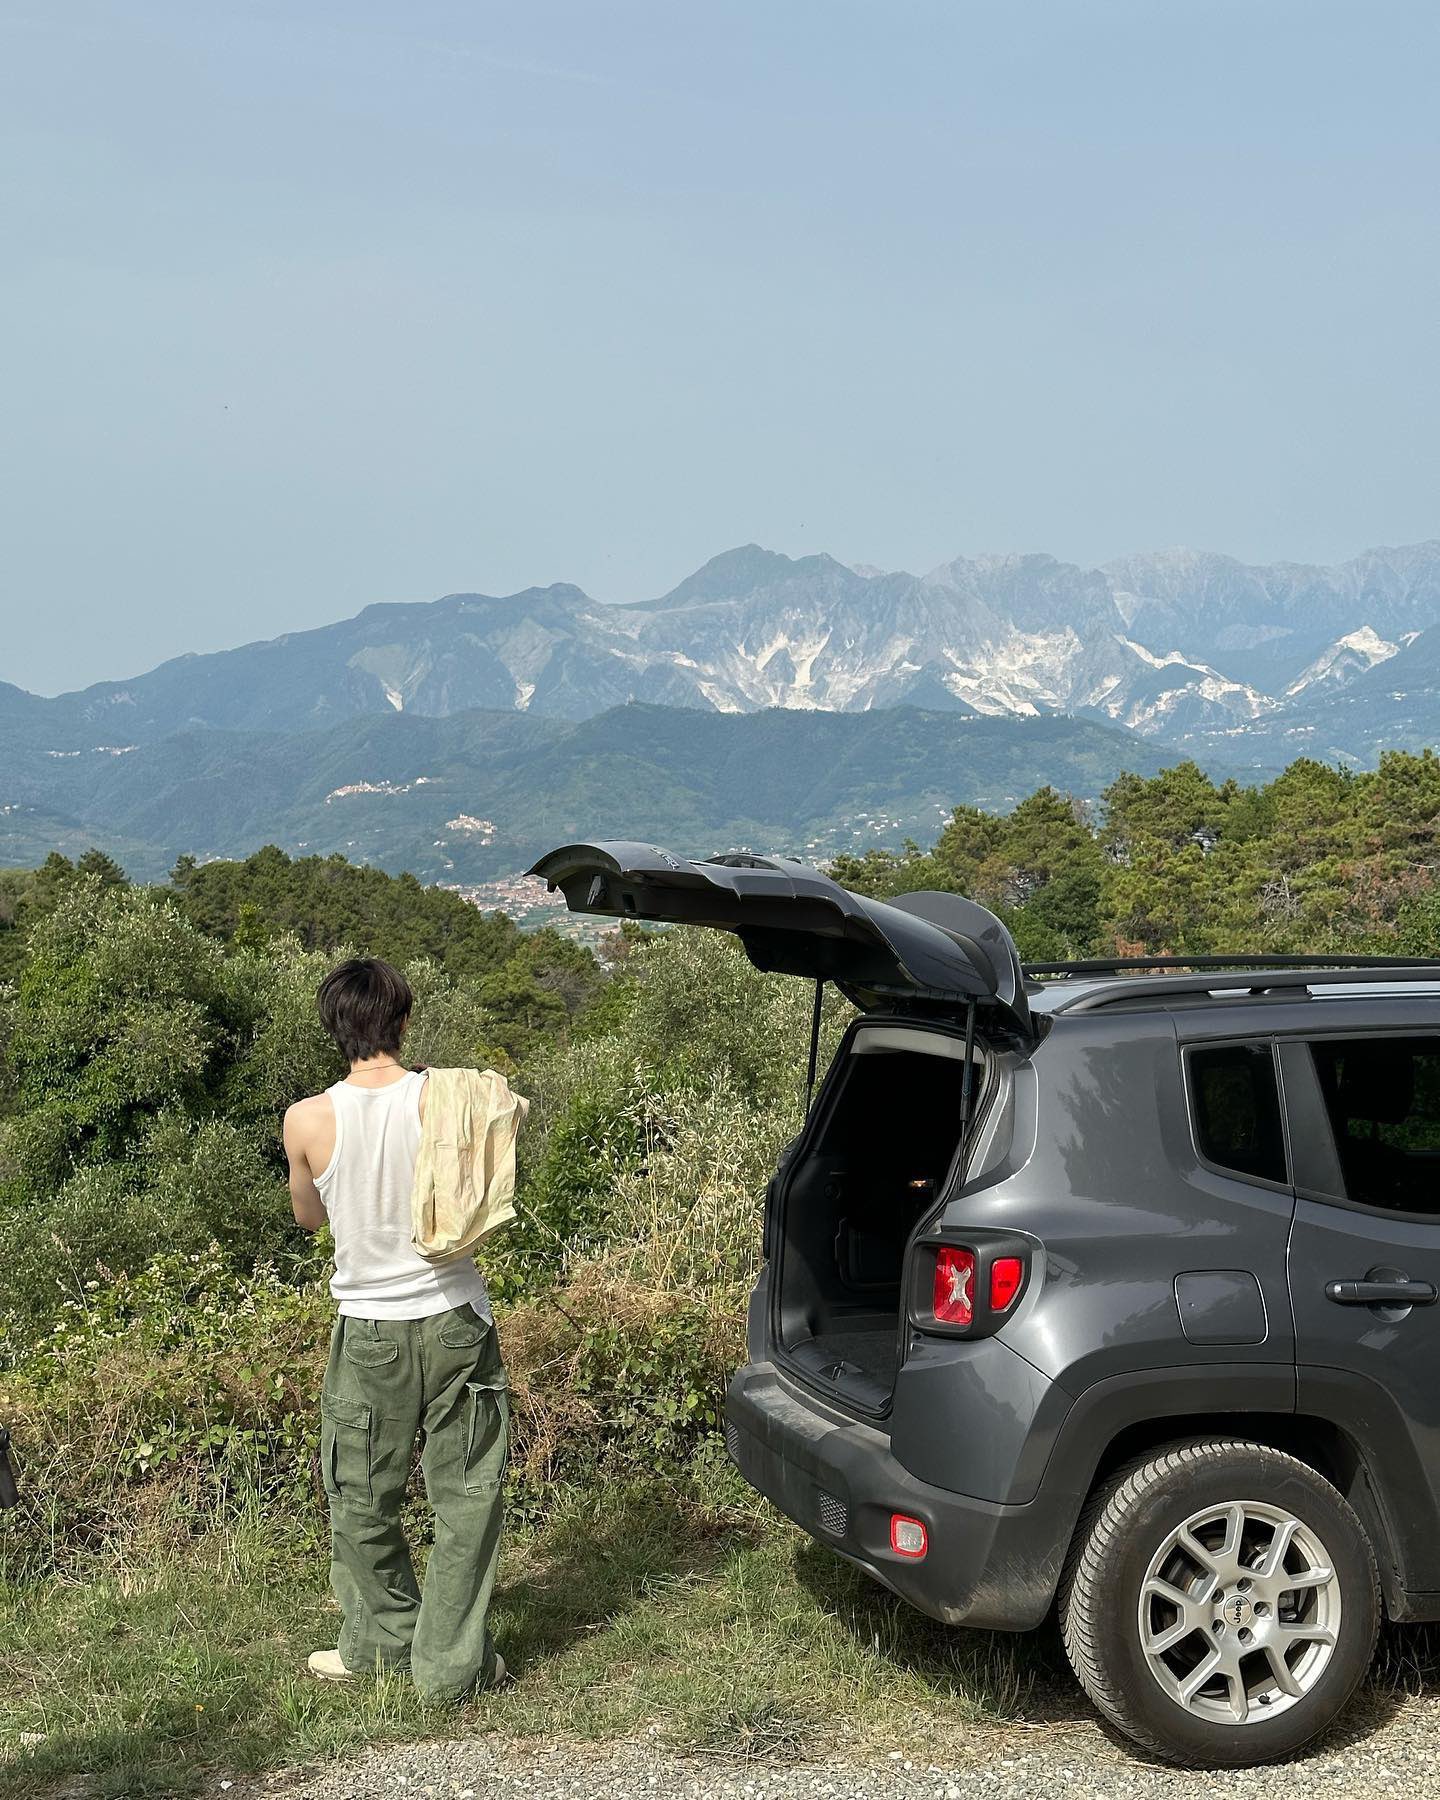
<point>413,1352</point>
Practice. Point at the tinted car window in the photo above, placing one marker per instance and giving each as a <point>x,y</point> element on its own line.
<point>1236,1105</point>
<point>1383,1098</point>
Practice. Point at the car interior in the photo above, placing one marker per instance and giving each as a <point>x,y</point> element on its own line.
<point>876,1166</point>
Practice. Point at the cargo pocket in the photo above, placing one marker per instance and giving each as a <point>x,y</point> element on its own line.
<point>367,1352</point>
<point>464,1329</point>
<point>345,1450</point>
<point>488,1437</point>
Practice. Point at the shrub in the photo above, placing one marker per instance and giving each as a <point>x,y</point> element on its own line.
<point>164,1404</point>
<point>165,1393</point>
<point>148,1074</point>
<point>654,1139</point>
<point>155,1401</point>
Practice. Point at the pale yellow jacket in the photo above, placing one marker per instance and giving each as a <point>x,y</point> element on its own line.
<point>465,1170</point>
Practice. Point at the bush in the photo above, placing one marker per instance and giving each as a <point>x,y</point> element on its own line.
<point>155,1401</point>
<point>653,1140</point>
<point>163,1405</point>
<point>183,1385</point>
<point>148,1072</point>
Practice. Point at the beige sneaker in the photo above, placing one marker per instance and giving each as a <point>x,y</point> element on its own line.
<point>326,1665</point>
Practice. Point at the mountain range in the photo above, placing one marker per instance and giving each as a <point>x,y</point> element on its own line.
<point>1131,664</point>
<point>1199,650</point>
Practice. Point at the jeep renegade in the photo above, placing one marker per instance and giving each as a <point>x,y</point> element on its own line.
<point>1114,1292</point>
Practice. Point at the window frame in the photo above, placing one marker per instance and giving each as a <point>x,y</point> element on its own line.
<point>1248,1040</point>
<point>1315,1166</point>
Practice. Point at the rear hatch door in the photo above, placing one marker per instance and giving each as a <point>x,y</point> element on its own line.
<point>794,920</point>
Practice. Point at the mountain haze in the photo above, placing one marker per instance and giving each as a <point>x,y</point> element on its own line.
<point>1200,650</point>
<point>768,701</point>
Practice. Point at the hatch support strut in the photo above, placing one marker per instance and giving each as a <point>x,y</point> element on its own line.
<point>814,1043</point>
<point>967,1089</point>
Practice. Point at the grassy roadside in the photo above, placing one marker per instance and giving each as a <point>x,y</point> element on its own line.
<point>706,1620</point>
<point>724,1628</point>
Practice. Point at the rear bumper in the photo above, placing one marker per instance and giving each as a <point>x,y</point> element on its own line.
<point>988,1565</point>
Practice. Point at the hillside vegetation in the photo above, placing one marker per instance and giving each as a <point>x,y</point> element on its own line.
<point>165,1325</point>
<point>1319,859</point>
<point>166,1332</point>
<point>153,1038</point>
<point>478,794</point>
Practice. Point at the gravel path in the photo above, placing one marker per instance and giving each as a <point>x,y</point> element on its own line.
<point>1383,1744</point>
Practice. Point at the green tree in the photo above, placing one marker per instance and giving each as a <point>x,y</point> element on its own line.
<point>147,1071</point>
<point>102,868</point>
<point>534,982</point>
<point>1179,806</point>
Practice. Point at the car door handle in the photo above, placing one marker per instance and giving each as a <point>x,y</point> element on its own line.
<point>1381,1293</point>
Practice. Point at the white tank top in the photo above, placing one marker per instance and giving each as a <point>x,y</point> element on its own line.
<point>366,1190</point>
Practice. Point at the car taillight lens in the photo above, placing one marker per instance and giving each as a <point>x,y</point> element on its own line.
<point>954,1285</point>
<point>1006,1275</point>
<point>908,1537</point>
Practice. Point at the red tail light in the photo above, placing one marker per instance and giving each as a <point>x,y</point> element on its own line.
<point>954,1285</point>
<point>971,1289</point>
<point>1006,1275</point>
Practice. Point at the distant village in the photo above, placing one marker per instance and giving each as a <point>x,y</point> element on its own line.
<point>524,897</point>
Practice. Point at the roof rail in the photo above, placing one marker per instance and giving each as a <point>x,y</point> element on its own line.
<point>1155,990</point>
<point>1117,965</point>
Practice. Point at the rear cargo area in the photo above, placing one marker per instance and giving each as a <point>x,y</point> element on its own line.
<point>876,1165</point>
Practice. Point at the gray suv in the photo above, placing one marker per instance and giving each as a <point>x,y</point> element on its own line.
<point>1113,1292</point>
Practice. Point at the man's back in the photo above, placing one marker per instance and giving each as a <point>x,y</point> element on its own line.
<point>361,1141</point>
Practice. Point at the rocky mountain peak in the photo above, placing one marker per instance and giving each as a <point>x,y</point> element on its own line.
<point>1194,647</point>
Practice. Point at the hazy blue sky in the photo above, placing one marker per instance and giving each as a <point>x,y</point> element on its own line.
<point>309,303</point>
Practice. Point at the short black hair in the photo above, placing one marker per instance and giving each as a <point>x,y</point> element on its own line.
<point>364,1004</point>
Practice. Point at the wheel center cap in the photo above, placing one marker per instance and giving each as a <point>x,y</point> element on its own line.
<point>1236,1610</point>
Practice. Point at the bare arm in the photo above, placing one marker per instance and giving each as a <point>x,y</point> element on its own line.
<point>305,1201</point>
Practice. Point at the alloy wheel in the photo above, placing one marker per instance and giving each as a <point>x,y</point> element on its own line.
<point>1239,1612</point>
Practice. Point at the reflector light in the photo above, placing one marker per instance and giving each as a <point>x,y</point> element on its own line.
<point>908,1536</point>
<point>1006,1274</point>
<point>954,1285</point>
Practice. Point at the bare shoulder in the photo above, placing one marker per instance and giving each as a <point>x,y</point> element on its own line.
<point>306,1117</point>
<point>315,1106</point>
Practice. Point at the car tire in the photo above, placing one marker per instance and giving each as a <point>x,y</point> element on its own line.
<point>1176,1618</point>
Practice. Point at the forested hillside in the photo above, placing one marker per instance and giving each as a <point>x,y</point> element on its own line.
<point>163,1325</point>
<point>529,982</point>
<point>1319,859</point>
<point>152,1039</point>
<point>153,1036</point>
<point>477,794</point>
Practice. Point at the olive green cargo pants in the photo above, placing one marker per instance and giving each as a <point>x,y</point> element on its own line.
<point>388,1381</point>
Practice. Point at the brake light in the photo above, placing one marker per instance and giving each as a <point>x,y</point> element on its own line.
<point>1006,1275</point>
<point>908,1536</point>
<point>954,1285</point>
